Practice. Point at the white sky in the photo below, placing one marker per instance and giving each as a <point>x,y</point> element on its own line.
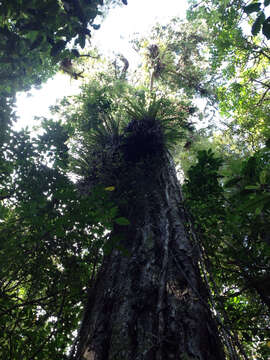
<point>137,17</point>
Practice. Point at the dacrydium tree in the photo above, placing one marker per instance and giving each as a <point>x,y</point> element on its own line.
<point>148,300</point>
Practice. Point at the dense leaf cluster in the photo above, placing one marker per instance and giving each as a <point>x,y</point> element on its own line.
<point>261,22</point>
<point>54,230</point>
<point>51,239</point>
<point>234,232</point>
<point>35,37</point>
<point>232,218</point>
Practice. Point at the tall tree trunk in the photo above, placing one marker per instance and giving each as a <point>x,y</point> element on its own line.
<point>148,301</point>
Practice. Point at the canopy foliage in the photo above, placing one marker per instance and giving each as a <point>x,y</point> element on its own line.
<point>53,233</point>
<point>35,37</point>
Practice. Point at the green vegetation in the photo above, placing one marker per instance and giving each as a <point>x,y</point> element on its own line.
<point>61,191</point>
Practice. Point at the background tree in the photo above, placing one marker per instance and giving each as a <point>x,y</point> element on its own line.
<point>176,58</point>
<point>240,246</point>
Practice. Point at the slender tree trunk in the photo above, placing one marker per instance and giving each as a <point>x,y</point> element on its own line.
<point>148,301</point>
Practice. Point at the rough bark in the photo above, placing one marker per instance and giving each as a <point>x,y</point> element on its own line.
<point>148,301</point>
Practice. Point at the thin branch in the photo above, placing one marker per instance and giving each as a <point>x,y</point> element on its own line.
<point>260,82</point>
<point>263,97</point>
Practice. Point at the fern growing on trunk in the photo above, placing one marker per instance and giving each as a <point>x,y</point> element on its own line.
<point>148,300</point>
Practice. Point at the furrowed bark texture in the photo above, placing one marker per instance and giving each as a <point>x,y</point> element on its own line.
<point>148,301</point>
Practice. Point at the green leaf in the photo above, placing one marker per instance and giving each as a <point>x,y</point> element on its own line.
<point>266,2</point>
<point>258,210</point>
<point>256,27</point>
<point>263,177</point>
<point>81,41</point>
<point>122,221</point>
<point>252,8</point>
<point>252,187</point>
<point>266,28</point>
<point>32,35</point>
